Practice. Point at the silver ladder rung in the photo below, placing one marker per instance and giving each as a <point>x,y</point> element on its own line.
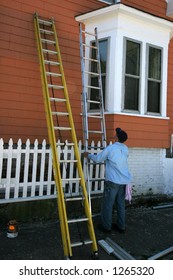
<point>57,99</point>
<point>81,243</point>
<point>51,62</point>
<point>60,114</point>
<point>62,128</point>
<point>70,179</point>
<point>89,33</point>
<point>42,21</point>
<point>49,51</point>
<point>93,101</point>
<point>91,73</point>
<point>92,87</point>
<point>95,131</point>
<point>46,31</point>
<point>55,86</point>
<point>79,220</point>
<point>94,116</point>
<point>53,74</point>
<point>90,59</point>
<point>89,46</point>
<point>48,41</point>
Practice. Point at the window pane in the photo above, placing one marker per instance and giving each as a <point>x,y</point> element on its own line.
<point>132,58</point>
<point>131,93</point>
<point>153,97</point>
<point>154,63</point>
<point>94,93</point>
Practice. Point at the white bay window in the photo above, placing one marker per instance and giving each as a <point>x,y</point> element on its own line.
<point>136,60</point>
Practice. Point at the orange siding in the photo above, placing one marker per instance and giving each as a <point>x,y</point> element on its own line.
<point>155,7</point>
<point>21,108</point>
<point>142,131</point>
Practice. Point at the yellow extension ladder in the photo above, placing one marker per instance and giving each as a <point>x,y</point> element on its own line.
<point>60,122</point>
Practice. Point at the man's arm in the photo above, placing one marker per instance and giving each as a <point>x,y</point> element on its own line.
<point>102,156</point>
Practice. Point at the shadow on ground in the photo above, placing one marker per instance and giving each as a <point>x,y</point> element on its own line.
<point>148,232</point>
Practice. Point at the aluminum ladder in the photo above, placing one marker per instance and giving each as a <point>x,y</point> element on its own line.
<point>89,53</point>
<point>59,121</point>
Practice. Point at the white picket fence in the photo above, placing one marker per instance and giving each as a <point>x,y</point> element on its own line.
<point>26,171</point>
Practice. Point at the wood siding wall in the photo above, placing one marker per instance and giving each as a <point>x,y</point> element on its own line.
<point>21,103</point>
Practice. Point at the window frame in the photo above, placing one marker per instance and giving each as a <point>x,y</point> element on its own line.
<point>104,74</point>
<point>124,75</point>
<point>148,45</point>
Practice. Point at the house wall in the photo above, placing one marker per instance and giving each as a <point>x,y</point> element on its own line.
<point>21,103</point>
<point>152,171</point>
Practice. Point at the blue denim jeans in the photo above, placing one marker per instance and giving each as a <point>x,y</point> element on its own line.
<point>113,193</point>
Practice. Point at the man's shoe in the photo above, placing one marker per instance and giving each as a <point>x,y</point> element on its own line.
<point>101,228</point>
<point>120,230</point>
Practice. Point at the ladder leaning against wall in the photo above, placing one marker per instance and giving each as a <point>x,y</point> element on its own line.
<point>92,98</point>
<point>59,121</point>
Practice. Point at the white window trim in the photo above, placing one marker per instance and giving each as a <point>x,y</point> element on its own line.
<point>119,22</point>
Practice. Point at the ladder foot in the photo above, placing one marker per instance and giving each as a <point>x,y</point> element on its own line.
<point>95,255</point>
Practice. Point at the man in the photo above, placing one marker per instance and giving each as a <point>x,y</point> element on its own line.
<point>117,175</point>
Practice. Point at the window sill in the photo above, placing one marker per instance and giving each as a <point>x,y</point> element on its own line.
<point>137,115</point>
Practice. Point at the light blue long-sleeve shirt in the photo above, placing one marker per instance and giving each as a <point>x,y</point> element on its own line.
<point>116,156</point>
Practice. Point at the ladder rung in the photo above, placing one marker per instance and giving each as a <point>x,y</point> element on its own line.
<point>57,99</point>
<point>48,41</point>
<point>94,116</point>
<point>74,198</point>
<point>89,33</point>
<point>46,31</point>
<point>81,243</point>
<point>46,22</point>
<point>68,161</point>
<point>90,59</point>
<point>53,74</point>
<point>60,114</point>
<point>91,73</point>
<point>92,87</point>
<point>89,46</point>
<point>93,101</point>
<point>62,128</point>
<point>95,131</point>
<point>55,86</point>
<point>51,62</point>
<point>79,220</point>
<point>70,179</point>
<point>65,144</point>
<point>49,51</point>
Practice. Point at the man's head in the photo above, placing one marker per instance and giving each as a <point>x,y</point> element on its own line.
<point>121,135</point>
